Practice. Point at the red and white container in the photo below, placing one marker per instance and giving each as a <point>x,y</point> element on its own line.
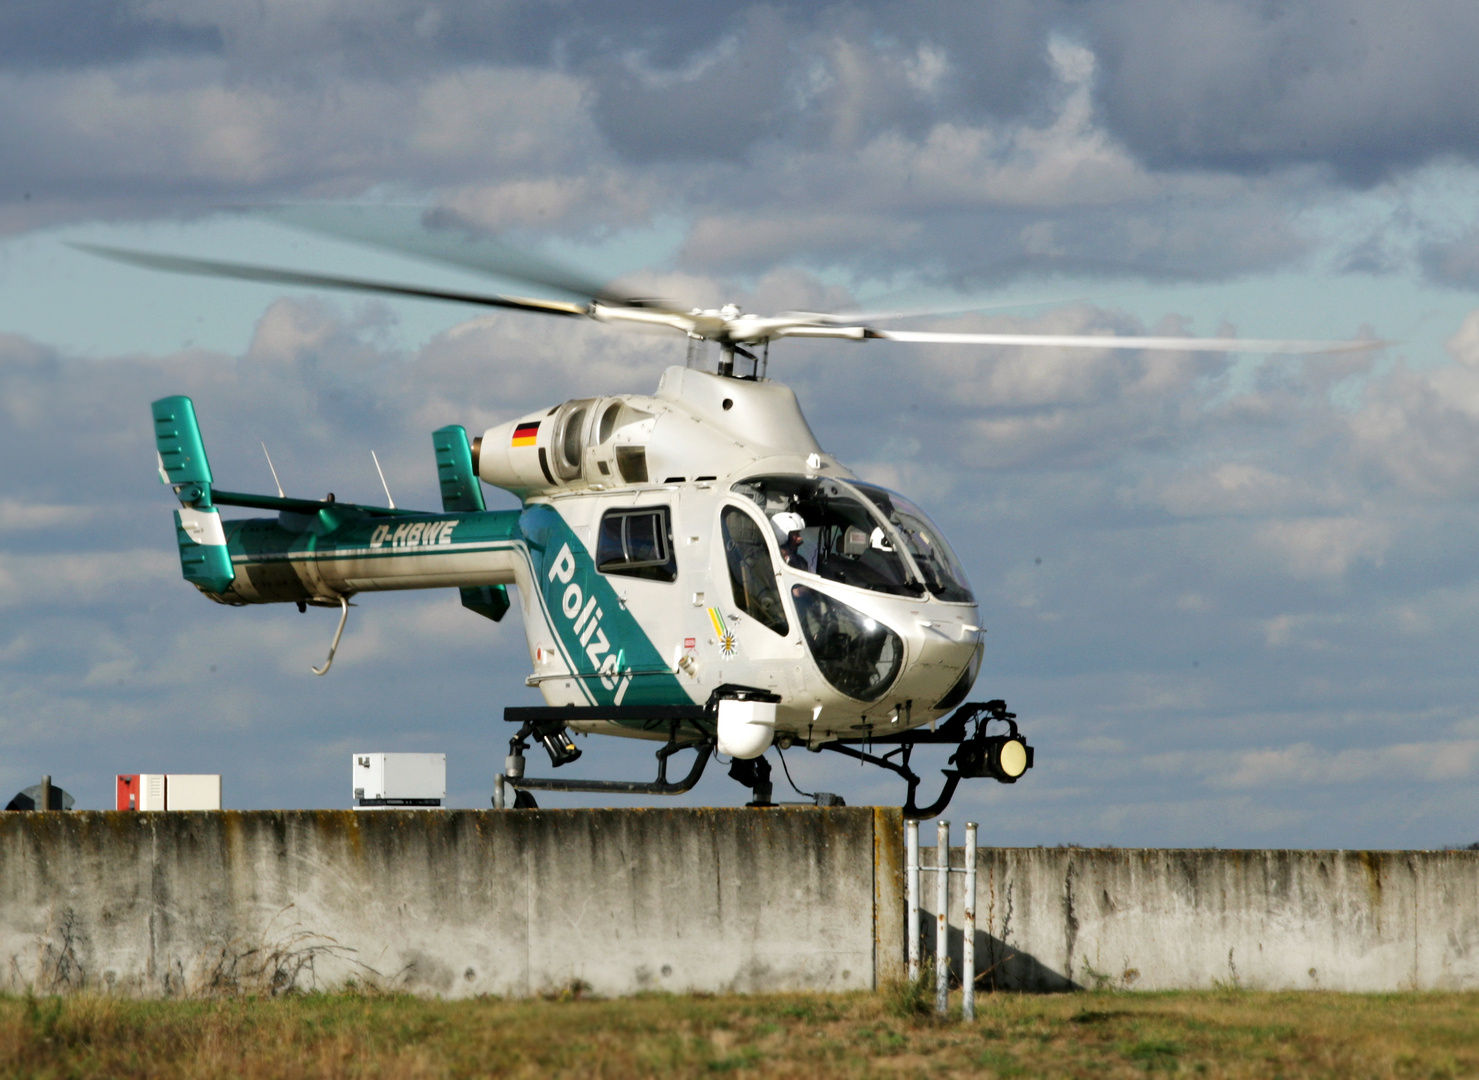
<point>169,791</point>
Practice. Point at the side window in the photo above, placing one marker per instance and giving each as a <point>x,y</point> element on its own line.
<point>751,572</point>
<point>637,542</point>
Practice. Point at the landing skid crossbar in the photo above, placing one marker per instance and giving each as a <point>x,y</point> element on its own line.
<point>661,786</point>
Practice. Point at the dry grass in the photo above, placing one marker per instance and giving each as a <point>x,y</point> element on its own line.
<point>1235,1034</point>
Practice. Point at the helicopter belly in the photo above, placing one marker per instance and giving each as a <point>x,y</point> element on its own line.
<point>490,566</point>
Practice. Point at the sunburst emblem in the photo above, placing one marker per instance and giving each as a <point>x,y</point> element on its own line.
<point>721,629</point>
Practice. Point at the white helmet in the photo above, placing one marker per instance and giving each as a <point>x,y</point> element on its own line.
<point>787,522</point>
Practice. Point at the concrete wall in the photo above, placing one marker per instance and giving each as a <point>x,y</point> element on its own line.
<point>523,902</point>
<point>1058,918</point>
<point>454,903</point>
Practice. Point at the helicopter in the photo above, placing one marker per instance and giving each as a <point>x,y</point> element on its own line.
<point>692,566</point>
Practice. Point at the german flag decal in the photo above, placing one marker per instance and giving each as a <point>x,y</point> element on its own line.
<point>525,434</point>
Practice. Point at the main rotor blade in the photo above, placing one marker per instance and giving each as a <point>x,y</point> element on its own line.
<point>211,268</point>
<point>712,325</point>
<point>442,236</point>
<point>1101,341</point>
<point>856,318</point>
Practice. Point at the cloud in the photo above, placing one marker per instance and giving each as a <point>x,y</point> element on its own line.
<point>80,580</point>
<point>74,33</point>
<point>1452,261</point>
<point>1363,89</point>
<point>1232,489</point>
<point>17,516</point>
<point>1419,430</point>
<point>1325,547</point>
<point>1302,763</point>
<point>179,128</point>
<point>944,140</point>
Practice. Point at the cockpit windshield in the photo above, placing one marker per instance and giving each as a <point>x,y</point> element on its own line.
<point>926,544</point>
<point>824,527</point>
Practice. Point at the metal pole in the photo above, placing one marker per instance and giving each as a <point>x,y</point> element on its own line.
<point>43,801</point>
<point>942,910</point>
<point>968,929</point>
<point>911,886</point>
<point>498,796</point>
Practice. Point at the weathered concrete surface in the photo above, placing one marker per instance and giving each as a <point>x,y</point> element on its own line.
<point>453,903</point>
<point>1057,918</point>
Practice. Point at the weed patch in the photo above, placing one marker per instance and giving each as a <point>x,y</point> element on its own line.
<point>1110,1034</point>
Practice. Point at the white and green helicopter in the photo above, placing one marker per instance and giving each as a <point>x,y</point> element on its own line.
<point>692,566</point>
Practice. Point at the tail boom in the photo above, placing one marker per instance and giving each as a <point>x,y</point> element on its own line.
<point>273,563</point>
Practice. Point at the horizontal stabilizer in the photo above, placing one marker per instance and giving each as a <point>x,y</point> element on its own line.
<point>205,560</point>
<point>460,490</point>
<point>489,601</point>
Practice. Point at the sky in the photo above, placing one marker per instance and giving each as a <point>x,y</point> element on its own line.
<point>1232,599</point>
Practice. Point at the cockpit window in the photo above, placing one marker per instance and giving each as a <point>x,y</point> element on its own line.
<point>926,544</point>
<point>751,572</point>
<point>826,528</point>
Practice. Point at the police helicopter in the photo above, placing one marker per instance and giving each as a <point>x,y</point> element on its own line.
<point>692,566</point>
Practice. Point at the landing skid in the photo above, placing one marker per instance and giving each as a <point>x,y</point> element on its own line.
<point>661,786</point>
<point>690,727</point>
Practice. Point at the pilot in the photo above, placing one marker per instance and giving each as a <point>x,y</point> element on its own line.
<point>788,525</point>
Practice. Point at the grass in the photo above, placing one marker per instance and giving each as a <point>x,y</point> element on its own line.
<point>1220,1034</point>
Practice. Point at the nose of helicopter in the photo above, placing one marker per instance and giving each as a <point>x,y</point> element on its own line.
<point>943,646</point>
<point>899,656</point>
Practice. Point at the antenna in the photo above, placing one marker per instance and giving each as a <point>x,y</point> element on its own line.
<point>275,480</point>
<point>383,484</point>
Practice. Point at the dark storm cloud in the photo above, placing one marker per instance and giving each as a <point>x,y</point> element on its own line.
<point>75,33</point>
<point>1453,262</point>
<point>711,107</point>
<point>1175,138</point>
<point>831,76</point>
<point>1364,88</point>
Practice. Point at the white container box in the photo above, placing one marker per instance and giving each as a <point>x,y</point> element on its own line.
<point>179,791</point>
<point>398,779</point>
<point>200,791</point>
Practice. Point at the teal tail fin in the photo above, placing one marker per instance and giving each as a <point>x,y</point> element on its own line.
<point>461,493</point>
<point>460,490</point>
<point>204,558</point>
<point>182,461</point>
